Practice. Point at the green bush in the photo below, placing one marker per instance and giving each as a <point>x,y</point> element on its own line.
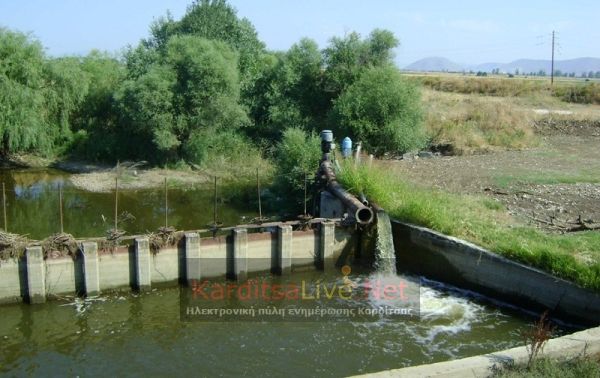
<point>588,93</point>
<point>382,110</point>
<point>297,154</point>
<point>225,154</point>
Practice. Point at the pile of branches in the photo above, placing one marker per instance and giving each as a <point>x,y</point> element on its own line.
<point>58,245</point>
<point>569,226</point>
<point>163,237</point>
<point>12,245</point>
<point>113,239</point>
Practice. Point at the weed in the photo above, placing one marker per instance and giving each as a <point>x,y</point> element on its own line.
<point>536,338</point>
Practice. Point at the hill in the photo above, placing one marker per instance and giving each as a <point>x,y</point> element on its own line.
<point>578,65</point>
<point>434,64</point>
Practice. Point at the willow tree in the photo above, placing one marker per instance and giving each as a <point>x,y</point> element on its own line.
<point>22,125</point>
<point>37,95</point>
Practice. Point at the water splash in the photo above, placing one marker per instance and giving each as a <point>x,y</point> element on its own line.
<point>385,255</point>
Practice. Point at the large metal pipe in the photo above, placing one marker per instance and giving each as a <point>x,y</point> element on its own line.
<point>362,213</point>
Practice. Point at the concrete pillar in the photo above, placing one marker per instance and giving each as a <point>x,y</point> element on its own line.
<point>284,249</point>
<point>327,241</point>
<point>36,275</point>
<point>240,253</point>
<point>143,264</point>
<point>192,257</point>
<point>91,273</point>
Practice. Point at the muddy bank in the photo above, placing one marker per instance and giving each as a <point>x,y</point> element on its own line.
<point>104,180</point>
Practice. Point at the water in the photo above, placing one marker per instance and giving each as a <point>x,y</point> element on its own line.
<point>33,207</point>
<point>129,334</point>
<point>142,334</point>
<point>385,257</point>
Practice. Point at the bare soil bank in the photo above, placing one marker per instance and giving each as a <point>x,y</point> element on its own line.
<point>555,186</point>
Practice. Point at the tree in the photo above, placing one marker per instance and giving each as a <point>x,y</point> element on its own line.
<point>194,89</point>
<point>382,110</point>
<point>146,105</point>
<point>37,96</point>
<point>289,92</point>
<point>66,90</point>
<point>105,73</point>
<point>346,58</point>
<point>218,21</point>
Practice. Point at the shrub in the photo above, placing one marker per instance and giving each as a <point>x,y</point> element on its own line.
<point>382,110</point>
<point>225,154</point>
<point>297,154</point>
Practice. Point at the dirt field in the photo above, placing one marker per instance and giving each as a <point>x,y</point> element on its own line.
<point>555,186</point>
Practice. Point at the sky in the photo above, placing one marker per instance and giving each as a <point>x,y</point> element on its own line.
<point>467,32</point>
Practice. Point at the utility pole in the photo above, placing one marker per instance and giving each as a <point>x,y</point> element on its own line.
<point>552,66</point>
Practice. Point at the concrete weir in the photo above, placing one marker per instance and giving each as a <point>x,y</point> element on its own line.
<point>262,248</point>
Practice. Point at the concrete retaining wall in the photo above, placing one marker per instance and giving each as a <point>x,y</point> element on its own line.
<point>447,259</point>
<point>578,344</point>
<point>279,250</point>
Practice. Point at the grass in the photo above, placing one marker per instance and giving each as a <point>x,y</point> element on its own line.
<point>549,368</point>
<point>472,124</point>
<point>571,91</point>
<point>575,257</point>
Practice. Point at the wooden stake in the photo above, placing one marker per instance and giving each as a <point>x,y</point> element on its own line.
<point>305,194</point>
<point>215,205</point>
<point>116,200</point>
<point>4,207</point>
<point>166,205</point>
<point>258,192</point>
<point>60,208</point>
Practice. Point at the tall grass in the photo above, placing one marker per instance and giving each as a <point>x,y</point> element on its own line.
<point>575,257</point>
<point>568,91</point>
<point>476,123</point>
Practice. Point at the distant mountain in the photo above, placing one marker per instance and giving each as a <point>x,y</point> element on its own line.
<point>579,65</point>
<point>434,64</point>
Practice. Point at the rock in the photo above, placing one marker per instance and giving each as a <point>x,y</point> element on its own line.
<point>425,154</point>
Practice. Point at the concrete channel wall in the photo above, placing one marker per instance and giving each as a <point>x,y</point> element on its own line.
<point>447,259</point>
<point>276,248</point>
<point>577,345</point>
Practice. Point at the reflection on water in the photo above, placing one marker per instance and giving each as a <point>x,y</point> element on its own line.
<point>33,207</point>
<point>142,334</point>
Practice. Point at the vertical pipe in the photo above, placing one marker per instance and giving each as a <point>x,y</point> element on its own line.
<point>166,205</point>
<point>357,154</point>
<point>4,206</point>
<point>60,209</point>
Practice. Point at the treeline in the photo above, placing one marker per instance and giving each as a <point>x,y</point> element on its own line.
<point>202,86</point>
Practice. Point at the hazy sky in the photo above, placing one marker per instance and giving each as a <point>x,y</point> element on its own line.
<point>463,31</point>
